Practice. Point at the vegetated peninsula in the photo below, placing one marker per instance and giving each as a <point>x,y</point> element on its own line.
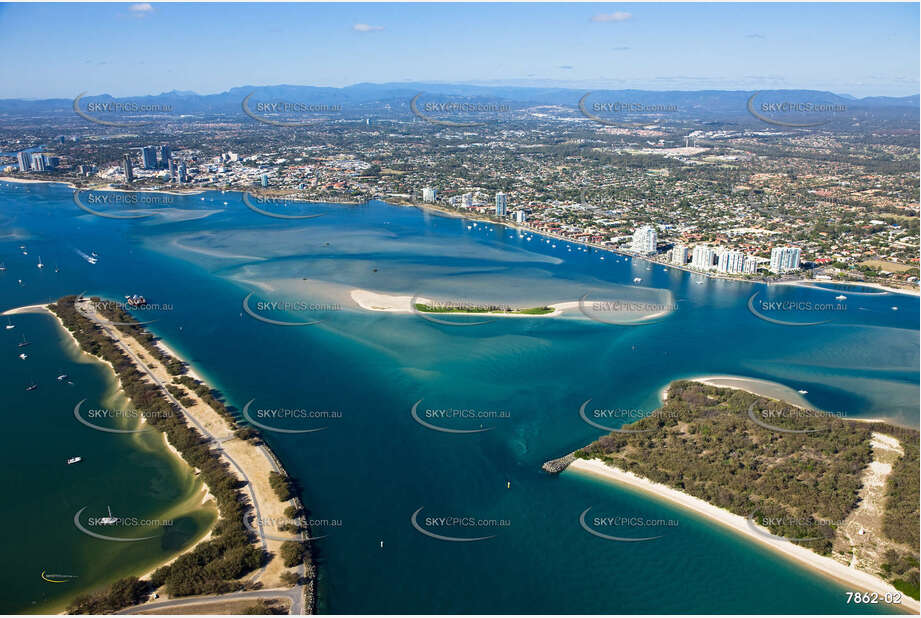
<point>242,476</point>
<point>844,489</point>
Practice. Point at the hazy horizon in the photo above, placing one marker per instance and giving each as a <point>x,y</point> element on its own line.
<point>131,49</point>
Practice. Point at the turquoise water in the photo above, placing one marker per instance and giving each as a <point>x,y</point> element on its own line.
<point>374,466</point>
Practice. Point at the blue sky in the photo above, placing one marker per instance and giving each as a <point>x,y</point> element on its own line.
<point>60,50</point>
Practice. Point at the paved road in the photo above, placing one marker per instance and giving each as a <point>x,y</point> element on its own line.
<point>295,595</point>
<point>81,306</point>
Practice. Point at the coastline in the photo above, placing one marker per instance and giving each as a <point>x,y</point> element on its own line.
<point>375,301</point>
<point>479,219</point>
<point>255,463</point>
<point>106,187</point>
<point>390,303</point>
<point>816,284</point>
<point>711,275</point>
<point>170,450</point>
<point>772,390</point>
<point>755,386</point>
<point>804,556</point>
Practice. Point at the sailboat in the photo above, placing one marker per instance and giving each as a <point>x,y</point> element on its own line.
<point>2,265</point>
<point>32,386</point>
<point>40,265</point>
<point>24,343</point>
<point>108,521</point>
<point>9,325</point>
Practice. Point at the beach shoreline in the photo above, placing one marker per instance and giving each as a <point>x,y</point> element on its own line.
<point>803,556</point>
<point>711,275</point>
<point>170,450</point>
<point>479,219</point>
<point>390,303</point>
<point>105,187</point>
<point>256,461</point>
<point>817,283</point>
<point>772,390</point>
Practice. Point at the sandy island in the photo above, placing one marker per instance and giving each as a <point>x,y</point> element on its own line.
<point>859,580</point>
<point>376,301</point>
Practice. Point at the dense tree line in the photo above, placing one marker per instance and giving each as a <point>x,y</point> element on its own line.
<point>125,592</point>
<point>214,564</point>
<point>281,484</point>
<point>900,522</point>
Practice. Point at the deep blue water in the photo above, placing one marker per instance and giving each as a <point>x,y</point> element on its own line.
<point>375,466</point>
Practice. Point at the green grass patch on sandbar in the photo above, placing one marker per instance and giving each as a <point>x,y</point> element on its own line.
<point>482,309</point>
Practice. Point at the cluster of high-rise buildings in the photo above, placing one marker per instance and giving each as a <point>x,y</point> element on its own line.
<point>153,158</point>
<point>36,161</point>
<point>731,261</point>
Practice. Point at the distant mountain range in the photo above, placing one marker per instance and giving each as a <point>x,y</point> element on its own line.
<point>389,97</point>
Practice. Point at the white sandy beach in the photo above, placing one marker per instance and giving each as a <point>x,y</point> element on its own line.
<point>376,301</point>
<point>859,580</point>
<point>761,388</point>
<point>814,284</point>
<point>27,309</point>
<point>107,187</point>
<point>30,181</point>
<point>765,388</point>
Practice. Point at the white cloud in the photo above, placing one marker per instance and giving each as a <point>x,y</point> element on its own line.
<point>612,17</point>
<point>142,9</point>
<point>366,28</point>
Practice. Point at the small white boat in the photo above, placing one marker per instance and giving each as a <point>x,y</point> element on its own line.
<point>40,265</point>
<point>108,521</point>
<point>802,391</point>
<point>9,325</point>
<point>74,460</point>
<point>62,377</point>
<point>636,279</point>
<point>23,356</point>
<point>840,297</point>
<point>25,253</point>
<point>2,266</point>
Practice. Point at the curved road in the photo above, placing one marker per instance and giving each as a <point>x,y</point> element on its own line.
<point>296,594</point>
<point>80,305</point>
